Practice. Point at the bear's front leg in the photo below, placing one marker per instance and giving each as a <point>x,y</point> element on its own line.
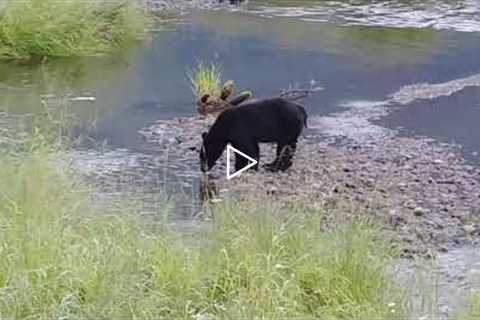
<point>251,150</point>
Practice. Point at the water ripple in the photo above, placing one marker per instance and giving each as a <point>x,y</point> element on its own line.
<point>443,15</point>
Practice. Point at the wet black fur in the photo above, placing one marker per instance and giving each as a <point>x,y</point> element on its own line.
<point>245,126</point>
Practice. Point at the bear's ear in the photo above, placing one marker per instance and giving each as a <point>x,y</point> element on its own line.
<point>204,135</point>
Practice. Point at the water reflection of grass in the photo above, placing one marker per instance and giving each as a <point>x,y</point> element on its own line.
<point>405,46</point>
<point>378,46</point>
<point>63,256</point>
<point>49,28</point>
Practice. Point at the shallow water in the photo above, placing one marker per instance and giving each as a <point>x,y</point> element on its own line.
<point>441,15</point>
<point>352,62</point>
<point>452,118</point>
<point>441,288</point>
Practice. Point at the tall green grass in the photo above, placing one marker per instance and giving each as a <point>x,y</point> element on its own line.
<point>473,311</point>
<point>61,257</point>
<point>64,256</point>
<point>35,29</point>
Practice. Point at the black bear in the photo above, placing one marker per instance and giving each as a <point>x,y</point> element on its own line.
<point>233,1</point>
<point>245,126</point>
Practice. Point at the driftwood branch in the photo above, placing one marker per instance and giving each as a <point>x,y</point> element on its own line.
<point>297,94</point>
<point>209,104</point>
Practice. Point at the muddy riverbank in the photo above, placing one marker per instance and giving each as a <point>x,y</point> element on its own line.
<point>423,192</point>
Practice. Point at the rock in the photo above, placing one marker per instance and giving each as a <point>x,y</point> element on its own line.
<point>272,190</point>
<point>382,190</point>
<point>469,228</point>
<point>410,204</point>
<point>419,211</point>
<point>445,310</point>
<point>350,185</point>
<point>370,183</point>
<point>407,156</point>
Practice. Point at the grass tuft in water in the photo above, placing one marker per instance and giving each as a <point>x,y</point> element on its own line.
<point>34,29</point>
<point>205,79</point>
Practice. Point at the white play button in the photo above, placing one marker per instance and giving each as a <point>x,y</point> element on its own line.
<point>230,151</point>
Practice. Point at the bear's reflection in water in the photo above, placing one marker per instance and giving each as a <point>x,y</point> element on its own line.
<point>208,189</point>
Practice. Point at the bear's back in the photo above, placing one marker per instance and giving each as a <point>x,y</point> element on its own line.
<point>264,120</point>
<point>262,106</point>
<point>256,111</point>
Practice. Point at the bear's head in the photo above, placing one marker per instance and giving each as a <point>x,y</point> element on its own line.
<point>211,150</point>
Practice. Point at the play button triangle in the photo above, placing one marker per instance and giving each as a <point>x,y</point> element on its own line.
<point>251,162</point>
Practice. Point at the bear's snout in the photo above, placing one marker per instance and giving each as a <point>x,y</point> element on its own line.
<point>203,160</point>
<point>203,166</point>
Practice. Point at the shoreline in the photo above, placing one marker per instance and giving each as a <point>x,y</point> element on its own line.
<point>422,192</point>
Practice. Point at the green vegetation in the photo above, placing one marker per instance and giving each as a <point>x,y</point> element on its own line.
<point>35,29</point>
<point>473,312</point>
<point>64,257</point>
<point>206,79</point>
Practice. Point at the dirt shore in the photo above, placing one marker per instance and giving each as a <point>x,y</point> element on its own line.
<point>423,192</point>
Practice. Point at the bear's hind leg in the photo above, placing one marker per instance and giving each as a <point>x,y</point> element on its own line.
<point>285,154</point>
<point>272,166</point>
<point>285,159</point>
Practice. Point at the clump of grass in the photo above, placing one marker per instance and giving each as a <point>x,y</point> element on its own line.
<point>34,29</point>
<point>279,263</point>
<point>473,311</point>
<point>205,79</point>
